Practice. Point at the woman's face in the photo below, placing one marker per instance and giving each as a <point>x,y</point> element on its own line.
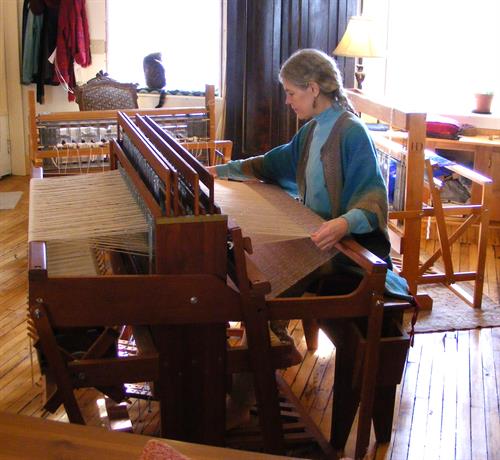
<point>299,99</point>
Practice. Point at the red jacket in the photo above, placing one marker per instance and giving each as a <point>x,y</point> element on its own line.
<point>73,41</point>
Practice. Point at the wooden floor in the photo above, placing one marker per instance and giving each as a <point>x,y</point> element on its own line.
<point>448,404</point>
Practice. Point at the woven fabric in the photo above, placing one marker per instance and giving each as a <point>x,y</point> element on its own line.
<point>283,261</point>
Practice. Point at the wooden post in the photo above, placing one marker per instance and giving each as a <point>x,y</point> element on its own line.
<point>33,130</point>
<point>413,198</point>
<point>481,245</point>
<point>210,105</point>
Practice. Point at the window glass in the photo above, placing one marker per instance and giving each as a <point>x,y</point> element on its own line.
<point>439,52</point>
<point>187,32</point>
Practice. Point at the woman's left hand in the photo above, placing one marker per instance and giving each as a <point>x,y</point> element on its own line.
<point>330,233</point>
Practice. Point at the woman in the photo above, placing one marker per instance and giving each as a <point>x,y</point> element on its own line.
<point>330,164</point>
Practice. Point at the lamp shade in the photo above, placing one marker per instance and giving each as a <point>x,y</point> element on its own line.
<point>362,38</point>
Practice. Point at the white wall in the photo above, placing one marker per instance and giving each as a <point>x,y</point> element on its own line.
<point>5,164</point>
<point>9,21</point>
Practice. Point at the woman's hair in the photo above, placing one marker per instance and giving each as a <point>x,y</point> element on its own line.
<point>307,65</point>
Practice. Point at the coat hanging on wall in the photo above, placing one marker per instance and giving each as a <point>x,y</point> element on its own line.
<point>73,43</point>
<point>39,36</point>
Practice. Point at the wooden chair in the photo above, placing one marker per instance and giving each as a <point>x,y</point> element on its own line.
<point>104,93</point>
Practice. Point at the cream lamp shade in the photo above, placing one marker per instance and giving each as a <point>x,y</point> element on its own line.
<point>362,38</point>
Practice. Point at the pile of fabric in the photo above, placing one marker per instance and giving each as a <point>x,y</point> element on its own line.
<point>55,37</point>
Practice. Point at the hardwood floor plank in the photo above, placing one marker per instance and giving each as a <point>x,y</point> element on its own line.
<point>463,443</point>
<point>421,405</point>
<point>434,419</point>
<point>491,397</point>
<point>34,392</point>
<point>313,388</point>
<point>449,414</point>
<point>405,416</point>
<point>15,354</point>
<point>478,420</point>
<point>326,421</point>
<point>495,339</point>
<point>320,404</point>
<point>303,376</point>
<point>15,383</point>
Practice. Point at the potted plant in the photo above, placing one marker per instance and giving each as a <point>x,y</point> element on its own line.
<point>483,102</point>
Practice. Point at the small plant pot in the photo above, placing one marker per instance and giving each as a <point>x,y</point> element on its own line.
<point>483,103</point>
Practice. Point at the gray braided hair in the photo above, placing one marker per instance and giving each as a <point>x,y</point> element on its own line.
<point>307,65</point>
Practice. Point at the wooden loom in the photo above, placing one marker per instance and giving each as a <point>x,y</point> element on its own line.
<point>201,270</point>
<point>406,220</point>
<point>76,142</point>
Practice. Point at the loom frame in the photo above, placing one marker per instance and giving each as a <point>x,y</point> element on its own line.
<point>219,150</point>
<point>194,278</point>
<point>409,143</point>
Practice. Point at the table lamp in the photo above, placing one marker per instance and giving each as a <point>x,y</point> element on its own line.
<point>361,40</point>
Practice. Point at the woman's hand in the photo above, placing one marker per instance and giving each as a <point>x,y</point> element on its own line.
<point>212,171</point>
<point>330,233</point>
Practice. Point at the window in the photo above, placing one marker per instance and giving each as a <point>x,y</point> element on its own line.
<point>188,33</point>
<point>440,52</point>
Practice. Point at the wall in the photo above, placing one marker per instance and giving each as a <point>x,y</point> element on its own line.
<point>13,100</point>
<point>5,166</point>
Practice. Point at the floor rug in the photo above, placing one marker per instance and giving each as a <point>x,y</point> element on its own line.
<point>450,313</point>
<point>9,200</point>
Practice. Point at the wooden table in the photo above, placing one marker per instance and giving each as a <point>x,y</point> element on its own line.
<point>24,437</point>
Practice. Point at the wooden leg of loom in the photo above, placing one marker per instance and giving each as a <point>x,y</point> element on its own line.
<point>103,346</point>
<point>444,241</point>
<point>192,382</point>
<point>311,333</point>
<point>51,350</point>
<point>345,397</point>
<point>383,412</point>
<point>118,416</point>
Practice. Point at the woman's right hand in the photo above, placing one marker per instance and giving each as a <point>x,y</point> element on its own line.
<point>212,170</point>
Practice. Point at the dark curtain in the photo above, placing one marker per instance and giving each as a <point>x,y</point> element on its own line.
<point>261,35</point>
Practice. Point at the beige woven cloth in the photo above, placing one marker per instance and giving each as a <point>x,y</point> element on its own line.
<point>279,227</point>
